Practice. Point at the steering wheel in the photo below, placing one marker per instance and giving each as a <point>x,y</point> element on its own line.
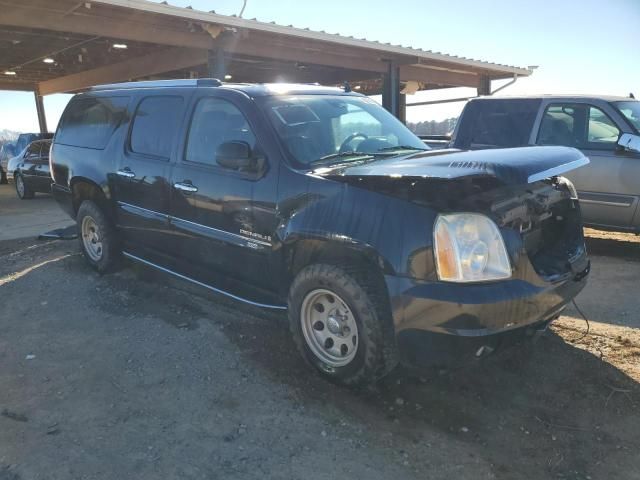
<point>349,139</point>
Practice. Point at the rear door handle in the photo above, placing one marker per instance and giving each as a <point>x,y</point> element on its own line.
<point>185,187</point>
<point>126,173</point>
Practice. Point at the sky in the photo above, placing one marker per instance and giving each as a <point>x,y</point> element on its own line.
<point>579,46</point>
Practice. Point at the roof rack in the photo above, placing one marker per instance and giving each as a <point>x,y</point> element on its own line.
<point>196,82</point>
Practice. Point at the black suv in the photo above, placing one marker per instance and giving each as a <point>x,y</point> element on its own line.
<point>318,201</point>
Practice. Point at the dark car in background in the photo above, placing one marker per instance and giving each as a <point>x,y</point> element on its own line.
<point>320,202</point>
<point>605,129</point>
<point>12,149</point>
<point>30,170</point>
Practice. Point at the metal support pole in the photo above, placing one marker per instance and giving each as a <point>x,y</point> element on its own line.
<point>391,90</point>
<point>42,119</point>
<point>216,67</point>
<point>484,87</point>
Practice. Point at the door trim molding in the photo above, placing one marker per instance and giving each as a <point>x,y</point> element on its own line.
<point>215,232</point>
<point>605,199</point>
<point>194,227</point>
<point>144,212</point>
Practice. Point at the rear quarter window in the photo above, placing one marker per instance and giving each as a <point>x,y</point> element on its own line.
<point>155,125</point>
<point>90,122</point>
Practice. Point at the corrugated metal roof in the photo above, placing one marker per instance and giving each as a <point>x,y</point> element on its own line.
<point>253,24</point>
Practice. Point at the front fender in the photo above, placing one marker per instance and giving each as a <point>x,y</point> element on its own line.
<point>391,231</point>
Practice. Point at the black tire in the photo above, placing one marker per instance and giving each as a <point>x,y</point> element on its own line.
<point>3,177</point>
<point>109,255</point>
<point>376,348</point>
<point>26,193</point>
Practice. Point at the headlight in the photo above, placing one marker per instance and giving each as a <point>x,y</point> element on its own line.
<point>469,248</point>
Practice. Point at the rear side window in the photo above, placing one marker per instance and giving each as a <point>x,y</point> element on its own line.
<point>154,126</point>
<point>33,150</point>
<point>90,122</point>
<point>496,123</point>
<point>559,125</point>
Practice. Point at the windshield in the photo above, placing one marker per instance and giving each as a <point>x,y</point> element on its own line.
<point>631,111</point>
<point>331,128</point>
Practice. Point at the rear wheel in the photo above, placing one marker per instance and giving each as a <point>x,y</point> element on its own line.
<point>98,237</point>
<point>341,324</point>
<point>22,189</point>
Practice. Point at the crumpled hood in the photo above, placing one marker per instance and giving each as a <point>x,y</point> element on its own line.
<point>512,166</point>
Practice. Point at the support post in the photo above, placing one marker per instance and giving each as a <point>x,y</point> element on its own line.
<point>42,119</point>
<point>484,86</point>
<point>391,90</point>
<point>216,67</point>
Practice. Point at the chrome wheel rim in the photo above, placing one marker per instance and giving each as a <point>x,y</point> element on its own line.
<point>329,327</point>
<point>91,238</point>
<point>20,186</point>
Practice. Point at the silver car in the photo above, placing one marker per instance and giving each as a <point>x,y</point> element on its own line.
<point>605,129</point>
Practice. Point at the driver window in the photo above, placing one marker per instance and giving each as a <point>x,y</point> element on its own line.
<point>601,130</point>
<point>214,122</point>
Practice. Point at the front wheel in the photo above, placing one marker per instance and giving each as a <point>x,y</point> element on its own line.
<point>341,324</point>
<point>98,237</point>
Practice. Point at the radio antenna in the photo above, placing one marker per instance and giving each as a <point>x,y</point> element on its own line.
<point>244,5</point>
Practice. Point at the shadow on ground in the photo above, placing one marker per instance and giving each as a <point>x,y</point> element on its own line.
<point>614,247</point>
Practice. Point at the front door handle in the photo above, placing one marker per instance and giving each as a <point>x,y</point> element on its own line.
<point>126,173</point>
<point>185,187</point>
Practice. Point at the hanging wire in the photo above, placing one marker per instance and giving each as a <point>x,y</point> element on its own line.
<point>584,317</point>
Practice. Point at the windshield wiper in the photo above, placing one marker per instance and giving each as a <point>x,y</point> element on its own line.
<point>333,156</point>
<point>401,147</point>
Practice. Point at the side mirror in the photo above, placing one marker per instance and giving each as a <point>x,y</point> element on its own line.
<point>235,155</point>
<point>629,142</point>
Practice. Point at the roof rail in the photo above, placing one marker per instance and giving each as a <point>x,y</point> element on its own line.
<point>196,82</point>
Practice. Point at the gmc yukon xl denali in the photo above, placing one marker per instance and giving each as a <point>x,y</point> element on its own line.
<point>318,201</point>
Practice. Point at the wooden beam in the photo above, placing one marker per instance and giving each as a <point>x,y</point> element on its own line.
<point>141,31</point>
<point>153,64</point>
<point>17,87</point>
<point>438,76</point>
<point>265,49</point>
<point>15,15</point>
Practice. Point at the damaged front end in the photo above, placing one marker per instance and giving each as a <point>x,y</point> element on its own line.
<point>521,190</point>
<point>546,216</point>
<point>537,215</point>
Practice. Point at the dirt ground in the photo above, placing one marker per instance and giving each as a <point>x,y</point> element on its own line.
<point>133,375</point>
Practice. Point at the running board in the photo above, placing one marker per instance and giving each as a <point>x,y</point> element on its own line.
<point>209,287</point>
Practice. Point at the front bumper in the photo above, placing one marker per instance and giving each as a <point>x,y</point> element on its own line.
<point>440,317</point>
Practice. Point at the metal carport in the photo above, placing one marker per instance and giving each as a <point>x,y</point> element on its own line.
<point>104,41</point>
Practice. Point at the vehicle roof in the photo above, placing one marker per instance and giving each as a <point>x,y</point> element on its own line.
<point>250,89</point>
<point>606,98</point>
